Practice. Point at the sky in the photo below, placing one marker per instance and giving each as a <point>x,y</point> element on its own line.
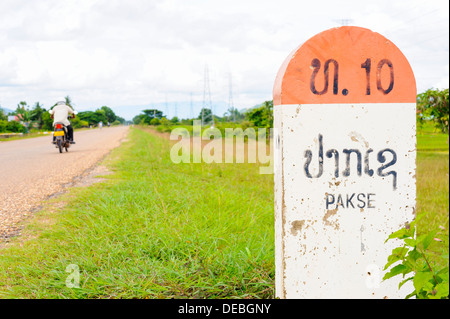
<point>132,55</point>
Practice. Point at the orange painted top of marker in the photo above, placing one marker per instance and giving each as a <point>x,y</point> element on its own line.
<point>345,65</point>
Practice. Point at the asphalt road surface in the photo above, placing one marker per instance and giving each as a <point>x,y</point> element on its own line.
<point>32,169</point>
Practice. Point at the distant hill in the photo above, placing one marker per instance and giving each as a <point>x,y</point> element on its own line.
<point>250,108</point>
<point>5,110</point>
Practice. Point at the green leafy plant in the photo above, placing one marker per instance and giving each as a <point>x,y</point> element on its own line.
<point>433,105</point>
<point>430,281</point>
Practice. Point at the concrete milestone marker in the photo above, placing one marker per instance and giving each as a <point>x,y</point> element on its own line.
<point>345,142</point>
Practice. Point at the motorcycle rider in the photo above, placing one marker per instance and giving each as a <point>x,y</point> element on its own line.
<point>60,112</point>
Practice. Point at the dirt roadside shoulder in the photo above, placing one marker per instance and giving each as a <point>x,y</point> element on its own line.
<point>21,202</point>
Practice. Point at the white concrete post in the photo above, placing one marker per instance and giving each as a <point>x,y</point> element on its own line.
<point>345,123</point>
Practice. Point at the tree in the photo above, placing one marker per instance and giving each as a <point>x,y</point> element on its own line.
<point>261,116</point>
<point>103,114</point>
<point>204,113</point>
<point>155,121</point>
<point>3,116</point>
<point>101,117</point>
<point>207,117</point>
<point>78,123</point>
<point>138,118</point>
<point>3,124</point>
<point>88,116</point>
<point>68,101</point>
<point>36,114</point>
<point>15,127</point>
<point>148,116</point>
<point>23,112</point>
<point>109,114</point>
<point>433,105</point>
<point>153,113</point>
<point>92,117</point>
<point>120,119</point>
<point>233,115</point>
<point>47,122</point>
<point>22,104</point>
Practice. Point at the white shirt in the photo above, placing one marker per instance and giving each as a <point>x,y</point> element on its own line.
<point>60,114</point>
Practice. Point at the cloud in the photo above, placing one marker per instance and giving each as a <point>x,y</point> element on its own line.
<point>119,53</point>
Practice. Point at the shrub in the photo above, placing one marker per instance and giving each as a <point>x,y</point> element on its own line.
<point>15,127</point>
<point>430,281</point>
<point>155,121</point>
<point>433,105</point>
<point>3,126</point>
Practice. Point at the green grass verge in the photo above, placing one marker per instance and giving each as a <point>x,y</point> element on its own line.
<point>433,190</point>
<point>432,178</point>
<point>433,202</point>
<point>153,230</point>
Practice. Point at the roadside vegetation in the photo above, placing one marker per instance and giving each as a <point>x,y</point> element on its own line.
<point>153,230</point>
<point>29,120</point>
<point>423,254</point>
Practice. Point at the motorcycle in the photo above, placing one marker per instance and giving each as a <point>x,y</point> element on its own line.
<point>60,137</point>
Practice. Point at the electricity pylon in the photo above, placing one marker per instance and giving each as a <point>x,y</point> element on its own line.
<point>207,119</point>
<point>230,100</point>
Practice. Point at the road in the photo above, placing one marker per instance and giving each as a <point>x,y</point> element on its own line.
<point>32,169</point>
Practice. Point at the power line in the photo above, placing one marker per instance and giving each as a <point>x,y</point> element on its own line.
<point>432,56</point>
<point>404,13</point>
<point>395,27</point>
<point>424,41</point>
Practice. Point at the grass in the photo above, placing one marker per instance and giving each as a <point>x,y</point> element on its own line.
<point>22,137</point>
<point>155,229</point>
<point>432,177</point>
<point>433,188</point>
<point>32,134</point>
<point>430,140</point>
